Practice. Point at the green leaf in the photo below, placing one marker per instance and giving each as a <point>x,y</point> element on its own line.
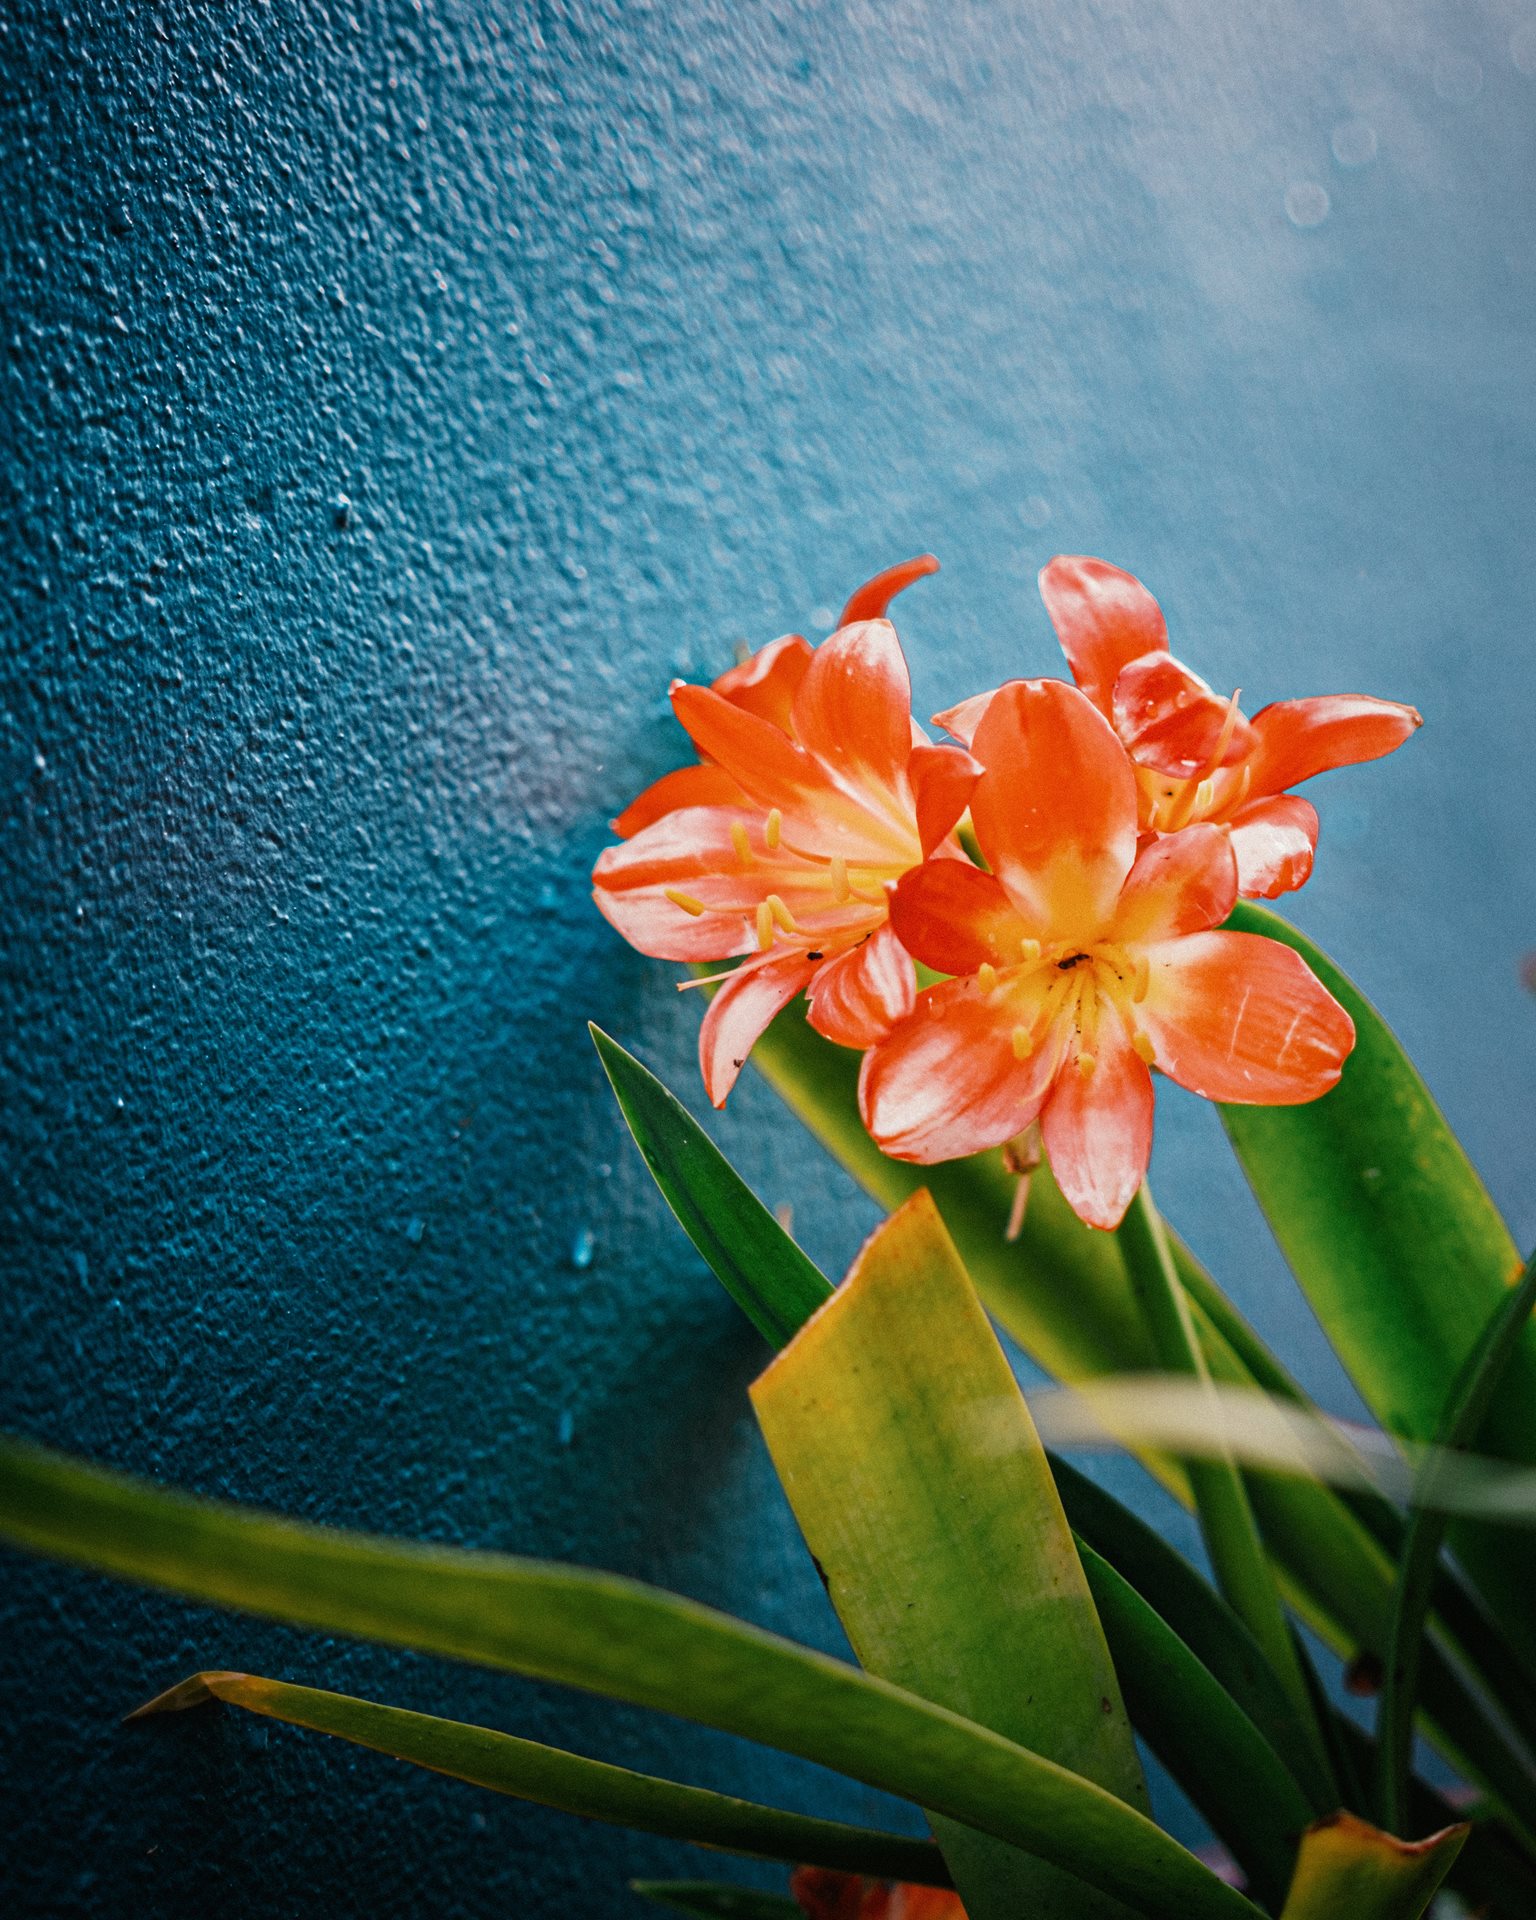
<point>717,1902</point>
<point>1203,1622</point>
<point>1060,1291</point>
<point>922,1490</point>
<point>754,1259</point>
<point>1227,1525</point>
<point>550,1777</point>
<point>1195,1727</point>
<point>611,1636</point>
<point>1465,1410</point>
<point>1399,1249</point>
<point>1350,1871</point>
<point>1384,1222</point>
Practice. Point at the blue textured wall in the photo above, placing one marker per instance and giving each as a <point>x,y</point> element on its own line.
<point>396,396</point>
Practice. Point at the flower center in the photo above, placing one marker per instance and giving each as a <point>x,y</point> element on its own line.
<point>1061,992</point>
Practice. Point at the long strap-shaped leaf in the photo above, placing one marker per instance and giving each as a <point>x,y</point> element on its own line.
<point>1061,1292</point>
<point>1400,1250</point>
<point>1350,1871</point>
<point>1228,1760</point>
<point>611,1636</point>
<point>1480,1377</point>
<point>921,1487</point>
<point>569,1782</point>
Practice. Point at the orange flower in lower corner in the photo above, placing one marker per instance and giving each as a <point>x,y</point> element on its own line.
<point>823,1894</point>
<point>820,808</point>
<point>1079,964</point>
<point>1197,757</point>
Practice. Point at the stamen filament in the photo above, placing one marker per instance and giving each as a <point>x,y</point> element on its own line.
<point>840,888</point>
<point>1143,980</point>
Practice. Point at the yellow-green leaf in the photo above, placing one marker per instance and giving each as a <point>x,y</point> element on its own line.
<point>922,1489</point>
<point>1347,1870</point>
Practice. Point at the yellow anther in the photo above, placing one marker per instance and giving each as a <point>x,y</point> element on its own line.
<point>839,878</point>
<point>772,829</point>
<point>986,976</point>
<point>741,843</point>
<point>1086,1064</point>
<point>1023,1043</point>
<point>686,901</point>
<point>1204,794</point>
<point>782,916</point>
<point>1145,1048</point>
<point>764,925</point>
<point>1030,950</point>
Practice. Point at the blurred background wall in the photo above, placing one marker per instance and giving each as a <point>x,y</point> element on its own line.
<point>396,396</point>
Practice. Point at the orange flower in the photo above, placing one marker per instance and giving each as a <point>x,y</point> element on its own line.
<point>1196,757</point>
<point>1079,964</point>
<point>819,793</point>
<point>823,1894</point>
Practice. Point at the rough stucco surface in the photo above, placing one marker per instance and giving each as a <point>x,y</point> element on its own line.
<point>395,398</point>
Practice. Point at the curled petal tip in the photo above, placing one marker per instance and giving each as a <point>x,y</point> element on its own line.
<point>870,601</point>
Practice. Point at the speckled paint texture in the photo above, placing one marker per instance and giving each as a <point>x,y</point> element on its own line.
<point>395,397</point>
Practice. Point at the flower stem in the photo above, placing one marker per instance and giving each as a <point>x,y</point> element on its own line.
<point>1243,1574</point>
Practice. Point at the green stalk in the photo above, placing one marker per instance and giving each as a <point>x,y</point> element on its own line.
<point>1227,1525</point>
<point>1466,1408</point>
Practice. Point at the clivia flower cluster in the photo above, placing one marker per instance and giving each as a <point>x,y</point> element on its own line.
<point>1113,824</point>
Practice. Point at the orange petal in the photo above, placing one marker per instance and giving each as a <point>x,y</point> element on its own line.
<point>942,780</point>
<point>1170,719</point>
<point>1096,1126</point>
<point>767,683</point>
<point>1274,841</point>
<point>1103,618</point>
<point>693,853</point>
<point>858,996</point>
<point>1055,811</point>
<point>1298,738</point>
<point>962,721</point>
<point>822,1893</point>
<point>1181,883</point>
<point>870,601</point>
<point>947,1083</point>
<point>924,1903</point>
<point>952,917</point>
<point>854,707</point>
<point>1240,1018</point>
<point>741,1009</point>
<point>765,762</point>
<point>697,786</point>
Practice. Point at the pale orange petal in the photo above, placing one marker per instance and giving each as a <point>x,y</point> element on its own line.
<point>1240,1018</point>
<point>741,1009</point>
<point>952,917</point>
<point>766,763</point>
<point>1055,811</point>
<point>854,707</point>
<point>1274,841</point>
<point>696,786</point>
<point>1181,883</point>
<point>870,601</point>
<point>947,1083</point>
<point>1298,738</point>
<point>857,997</point>
<point>1096,1127</point>
<point>766,684</point>
<point>693,854</point>
<point>1104,619</point>
<point>1170,719</point>
<point>960,722</point>
<point>924,1903</point>
<point>822,1893</point>
<point>942,781</point>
